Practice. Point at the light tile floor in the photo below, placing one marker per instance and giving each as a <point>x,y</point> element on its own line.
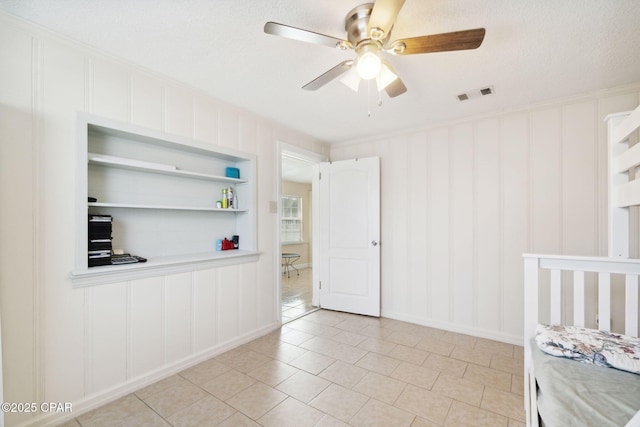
<point>337,369</point>
<point>296,294</point>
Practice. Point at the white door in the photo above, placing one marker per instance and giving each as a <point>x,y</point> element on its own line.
<point>349,221</point>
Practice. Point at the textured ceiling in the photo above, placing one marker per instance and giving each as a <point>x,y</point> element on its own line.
<point>533,51</point>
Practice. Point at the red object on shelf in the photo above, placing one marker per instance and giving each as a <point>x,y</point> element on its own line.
<point>227,244</point>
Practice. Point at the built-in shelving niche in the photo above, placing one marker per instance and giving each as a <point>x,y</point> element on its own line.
<point>161,191</point>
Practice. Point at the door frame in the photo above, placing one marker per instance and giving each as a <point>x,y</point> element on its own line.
<point>313,158</point>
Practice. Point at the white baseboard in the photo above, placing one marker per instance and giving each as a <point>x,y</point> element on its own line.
<point>476,332</point>
<point>92,402</point>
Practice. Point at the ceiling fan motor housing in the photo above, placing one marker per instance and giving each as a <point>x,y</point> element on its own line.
<point>356,25</point>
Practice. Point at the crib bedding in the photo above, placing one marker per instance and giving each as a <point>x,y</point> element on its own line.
<point>571,393</point>
<point>586,345</point>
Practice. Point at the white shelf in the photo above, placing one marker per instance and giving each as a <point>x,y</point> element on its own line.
<point>159,266</point>
<point>164,207</point>
<point>122,163</point>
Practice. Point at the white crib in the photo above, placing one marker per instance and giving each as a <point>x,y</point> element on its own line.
<point>607,273</point>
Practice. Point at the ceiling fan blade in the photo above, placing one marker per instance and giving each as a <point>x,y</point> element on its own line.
<point>457,40</point>
<point>325,78</point>
<point>383,16</point>
<point>305,35</point>
<point>396,87</point>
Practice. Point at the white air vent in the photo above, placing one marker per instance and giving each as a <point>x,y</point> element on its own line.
<point>476,93</point>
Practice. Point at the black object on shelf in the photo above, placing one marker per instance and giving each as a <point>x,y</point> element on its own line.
<point>99,240</point>
<point>126,259</point>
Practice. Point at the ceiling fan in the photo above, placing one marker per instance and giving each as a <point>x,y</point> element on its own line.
<point>368,28</point>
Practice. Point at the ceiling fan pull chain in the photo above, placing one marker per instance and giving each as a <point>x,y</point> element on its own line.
<point>368,98</point>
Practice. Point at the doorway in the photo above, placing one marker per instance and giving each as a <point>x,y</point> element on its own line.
<point>296,231</point>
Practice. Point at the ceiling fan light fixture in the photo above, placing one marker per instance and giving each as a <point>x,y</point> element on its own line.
<point>369,65</point>
<point>385,78</point>
<point>351,79</point>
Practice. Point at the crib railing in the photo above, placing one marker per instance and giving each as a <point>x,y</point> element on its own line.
<point>576,266</point>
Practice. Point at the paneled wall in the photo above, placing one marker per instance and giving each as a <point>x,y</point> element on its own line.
<point>90,345</point>
<point>461,202</point>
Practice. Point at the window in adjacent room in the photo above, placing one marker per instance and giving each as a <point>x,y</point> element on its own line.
<point>291,229</point>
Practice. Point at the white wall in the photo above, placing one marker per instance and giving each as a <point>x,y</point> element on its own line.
<point>89,345</point>
<point>461,202</point>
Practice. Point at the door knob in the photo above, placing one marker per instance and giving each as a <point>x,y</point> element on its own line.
<point>374,243</point>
